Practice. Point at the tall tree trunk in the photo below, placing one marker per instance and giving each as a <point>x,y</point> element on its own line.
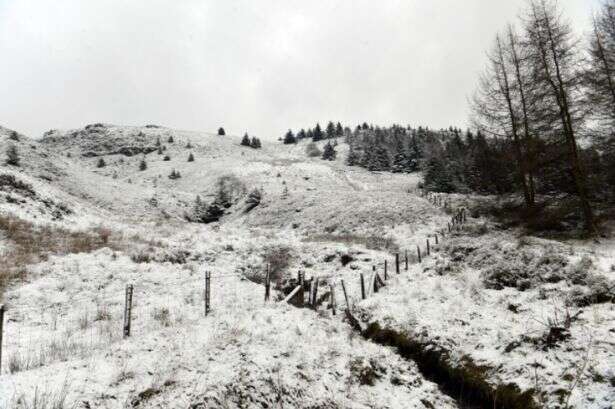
<point>605,63</point>
<point>560,93</point>
<point>506,92</point>
<point>529,147</point>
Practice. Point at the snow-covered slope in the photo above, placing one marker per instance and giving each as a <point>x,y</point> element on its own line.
<point>63,331</point>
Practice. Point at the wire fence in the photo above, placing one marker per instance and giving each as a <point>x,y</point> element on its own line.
<point>33,336</point>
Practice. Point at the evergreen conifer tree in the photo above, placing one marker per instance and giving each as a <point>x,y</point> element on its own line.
<point>329,152</point>
<point>289,138</point>
<point>317,134</point>
<point>245,141</point>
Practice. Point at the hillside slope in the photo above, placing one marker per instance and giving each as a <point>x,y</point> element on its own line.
<point>484,297</point>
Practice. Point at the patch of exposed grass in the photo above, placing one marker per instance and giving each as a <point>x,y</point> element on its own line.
<point>372,242</point>
<point>30,244</point>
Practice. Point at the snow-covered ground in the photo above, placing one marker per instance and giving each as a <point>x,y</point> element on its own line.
<point>63,325</point>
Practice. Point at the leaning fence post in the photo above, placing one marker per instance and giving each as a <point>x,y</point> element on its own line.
<point>315,291</point>
<point>397,263</point>
<point>301,284</point>
<point>362,287</point>
<point>418,252</point>
<point>332,289</point>
<point>127,310</point>
<point>345,296</point>
<point>207,292</point>
<point>1,329</point>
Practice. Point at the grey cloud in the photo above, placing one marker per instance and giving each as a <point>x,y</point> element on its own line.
<point>260,66</point>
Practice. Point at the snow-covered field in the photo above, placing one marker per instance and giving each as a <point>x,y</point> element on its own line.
<point>551,334</point>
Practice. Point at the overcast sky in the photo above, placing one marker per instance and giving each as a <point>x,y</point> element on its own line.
<point>258,66</point>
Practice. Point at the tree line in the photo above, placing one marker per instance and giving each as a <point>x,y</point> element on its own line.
<point>545,114</point>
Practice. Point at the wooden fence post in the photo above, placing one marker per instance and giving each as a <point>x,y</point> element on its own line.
<point>427,241</point>
<point>332,289</point>
<point>397,263</point>
<point>418,252</point>
<point>302,285</point>
<point>406,258</point>
<point>315,291</point>
<point>207,292</point>
<point>436,237</point>
<point>267,284</point>
<point>345,296</point>
<point>362,287</point>
<point>386,264</point>
<point>1,329</point>
<point>128,310</point>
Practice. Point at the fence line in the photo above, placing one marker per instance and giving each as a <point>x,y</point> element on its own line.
<point>97,322</point>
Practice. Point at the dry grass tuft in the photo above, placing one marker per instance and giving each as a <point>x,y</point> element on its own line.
<point>372,242</point>
<point>30,244</point>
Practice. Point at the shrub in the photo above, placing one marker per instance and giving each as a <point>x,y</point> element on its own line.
<point>175,174</point>
<point>254,199</point>
<point>312,150</point>
<point>166,158</point>
<point>12,156</point>
<point>101,163</point>
<point>221,131</point>
<point>229,189</point>
<point>191,157</point>
<point>14,136</point>
<point>142,165</point>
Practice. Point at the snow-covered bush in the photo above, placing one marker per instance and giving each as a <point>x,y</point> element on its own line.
<point>312,151</point>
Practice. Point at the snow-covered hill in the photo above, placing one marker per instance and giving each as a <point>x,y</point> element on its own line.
<point>86,220</point>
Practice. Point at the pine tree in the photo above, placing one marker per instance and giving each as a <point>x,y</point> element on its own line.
<point>101,163</point>
<point>256,143</point>
<point>289,138</point>
<point>175,174</point>
<point>170,140</point>
<point>221,131</point>
<point>188,145</point>
<point>339,131</point>
<point>330,132</point>
<point>353,158</point>
<point>158,142</point>
<point>301,135</point>
<point>379,159</point>
<point>14,136</point>
<point>317,134</point>
<point>190,157</point>
<point>159,150</point>
<point>142,165</point>
<point>329,152</point>
<point>12,156</point>
<point>245,141</point>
